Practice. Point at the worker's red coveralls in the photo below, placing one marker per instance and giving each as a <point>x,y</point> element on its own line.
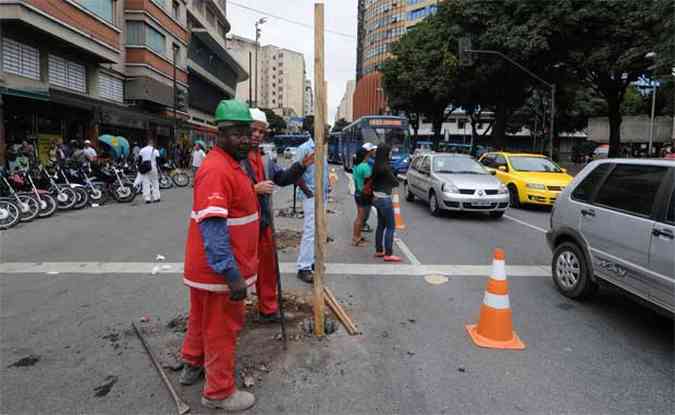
<point>223,190</point>
<point>266,286</point>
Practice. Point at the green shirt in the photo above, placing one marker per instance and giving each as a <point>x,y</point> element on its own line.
<point>361,173</point>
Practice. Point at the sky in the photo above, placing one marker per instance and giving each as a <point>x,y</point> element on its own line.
<point>340,51</point>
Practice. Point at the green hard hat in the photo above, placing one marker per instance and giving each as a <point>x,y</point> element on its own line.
<point>233,111</point>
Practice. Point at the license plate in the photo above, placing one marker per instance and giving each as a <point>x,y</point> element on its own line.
<point>482,204</point>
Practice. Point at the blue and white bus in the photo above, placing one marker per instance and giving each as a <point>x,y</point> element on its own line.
<point>378,129</point>
<point>282,141</point>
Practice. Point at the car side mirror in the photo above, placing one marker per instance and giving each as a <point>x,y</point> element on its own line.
<point>503,168</point>
<point>493,172</point>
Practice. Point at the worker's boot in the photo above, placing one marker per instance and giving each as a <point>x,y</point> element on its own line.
<point>190,374</point>
<point>237,402</point>
<point>275,317</point>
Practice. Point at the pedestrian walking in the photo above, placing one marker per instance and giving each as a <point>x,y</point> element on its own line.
<point>305,263</point>
<point>361,173</point>
<point>265,174</point>
<point>221,262</point>
<point>198,156</point>
<point>384,182</point>
<point>148,168</point>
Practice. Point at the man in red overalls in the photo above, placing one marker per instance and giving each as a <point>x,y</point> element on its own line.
<point>265,174</point>
<point>221,261</point>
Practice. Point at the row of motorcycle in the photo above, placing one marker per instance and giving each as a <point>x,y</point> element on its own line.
<point>41,191</point>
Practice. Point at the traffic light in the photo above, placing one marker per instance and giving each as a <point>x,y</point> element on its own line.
<point>181,99</point>
<point>465,58</point>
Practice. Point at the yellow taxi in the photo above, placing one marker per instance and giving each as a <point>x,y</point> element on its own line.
<point>530,178</point>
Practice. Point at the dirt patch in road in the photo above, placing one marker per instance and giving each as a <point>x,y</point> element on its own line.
<point>287,238</point>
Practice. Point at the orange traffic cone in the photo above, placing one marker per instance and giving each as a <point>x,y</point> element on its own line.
<point>400,225</point>
<point>495,328</point>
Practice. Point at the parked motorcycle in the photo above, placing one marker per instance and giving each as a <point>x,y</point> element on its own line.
<point>118,185</point>
<point>80,191</point>
<point>179,177</point>
<point>65,196</point>
<point>96,190</point>
<point>10,214</point>
<point>46,201</point>
<point>29,207</point>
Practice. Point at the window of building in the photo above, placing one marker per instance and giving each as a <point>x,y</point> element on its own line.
<point>110,87</point>
<point>101,8</point>
<point>141,34</point>
<point>175,10</point>
<point>631,188</point>
<point>67,74</point>
<point>210,16</point>
<point>20,59</point>
<point>160,3</point>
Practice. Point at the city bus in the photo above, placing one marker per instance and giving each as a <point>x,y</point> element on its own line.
<point>335,148</point>
<point>378,129</point>
<point>282,141</point>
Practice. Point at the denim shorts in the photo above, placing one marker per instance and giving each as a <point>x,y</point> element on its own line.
<point>358,198</point>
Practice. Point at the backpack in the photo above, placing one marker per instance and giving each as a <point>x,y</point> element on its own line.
<point>145,166</point>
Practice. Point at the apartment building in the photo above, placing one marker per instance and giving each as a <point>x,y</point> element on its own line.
<point>381,23</point>
<point>281,76</point>
<point>79,69</point>
<point>309,98</point>
<point>213,73</point>
<point>346,108</point>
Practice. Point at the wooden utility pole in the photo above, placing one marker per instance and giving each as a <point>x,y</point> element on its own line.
<point>321,233</point>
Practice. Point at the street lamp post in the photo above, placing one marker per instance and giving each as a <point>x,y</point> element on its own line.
<point>652,55</point>
<point>258,32</point>
<point>532,74</point>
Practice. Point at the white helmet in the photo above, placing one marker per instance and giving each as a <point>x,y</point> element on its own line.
<point>259,116</point>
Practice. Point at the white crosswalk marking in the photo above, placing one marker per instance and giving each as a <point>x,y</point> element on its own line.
<point>365,270</point>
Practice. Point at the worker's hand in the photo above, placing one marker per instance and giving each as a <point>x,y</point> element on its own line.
<point>238,290</point>
<point>264,188</point>
<point>308,160</point>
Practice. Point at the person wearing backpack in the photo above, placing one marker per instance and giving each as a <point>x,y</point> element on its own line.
<point>147,167</point>
<point>361,175</point>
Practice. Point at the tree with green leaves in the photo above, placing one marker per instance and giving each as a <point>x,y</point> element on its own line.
<point>609,53</point>
<point>419,77</point>
<point>277,123</point>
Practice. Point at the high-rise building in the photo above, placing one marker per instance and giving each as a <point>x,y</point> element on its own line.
<point>346,108</point>
<point>309,98</point>
<point>80,69</point>
<point>380,24</point>
<point>281,76</point>
<point>213,73</point>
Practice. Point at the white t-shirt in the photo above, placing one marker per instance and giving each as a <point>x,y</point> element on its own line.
<point>150,153</point>
<point>90,153</point>
<point>197,158</point>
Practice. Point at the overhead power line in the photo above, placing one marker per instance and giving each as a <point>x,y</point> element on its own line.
<point>295,22</point>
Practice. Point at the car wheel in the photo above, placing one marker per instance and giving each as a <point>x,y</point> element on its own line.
<point>571,272</point>
<point>497,215</point>
<point>434,208</point>
<point>409,196</point>
<point>514,197</point>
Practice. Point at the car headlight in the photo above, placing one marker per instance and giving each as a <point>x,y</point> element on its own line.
<point>503,190</point>
<point>449,188</point>
<point>536,186</point>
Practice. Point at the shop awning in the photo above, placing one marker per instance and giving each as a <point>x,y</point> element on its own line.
<point>38,94</point>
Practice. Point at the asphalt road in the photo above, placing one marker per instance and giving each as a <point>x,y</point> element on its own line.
<point>606,356</point>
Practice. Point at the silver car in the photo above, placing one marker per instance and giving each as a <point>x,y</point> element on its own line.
<point>616,223</point>
<point>455,182</point>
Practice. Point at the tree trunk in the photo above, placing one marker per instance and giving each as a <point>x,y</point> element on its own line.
<point>437,124</point>
<point>615,119</point>
<point>499,129</point>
